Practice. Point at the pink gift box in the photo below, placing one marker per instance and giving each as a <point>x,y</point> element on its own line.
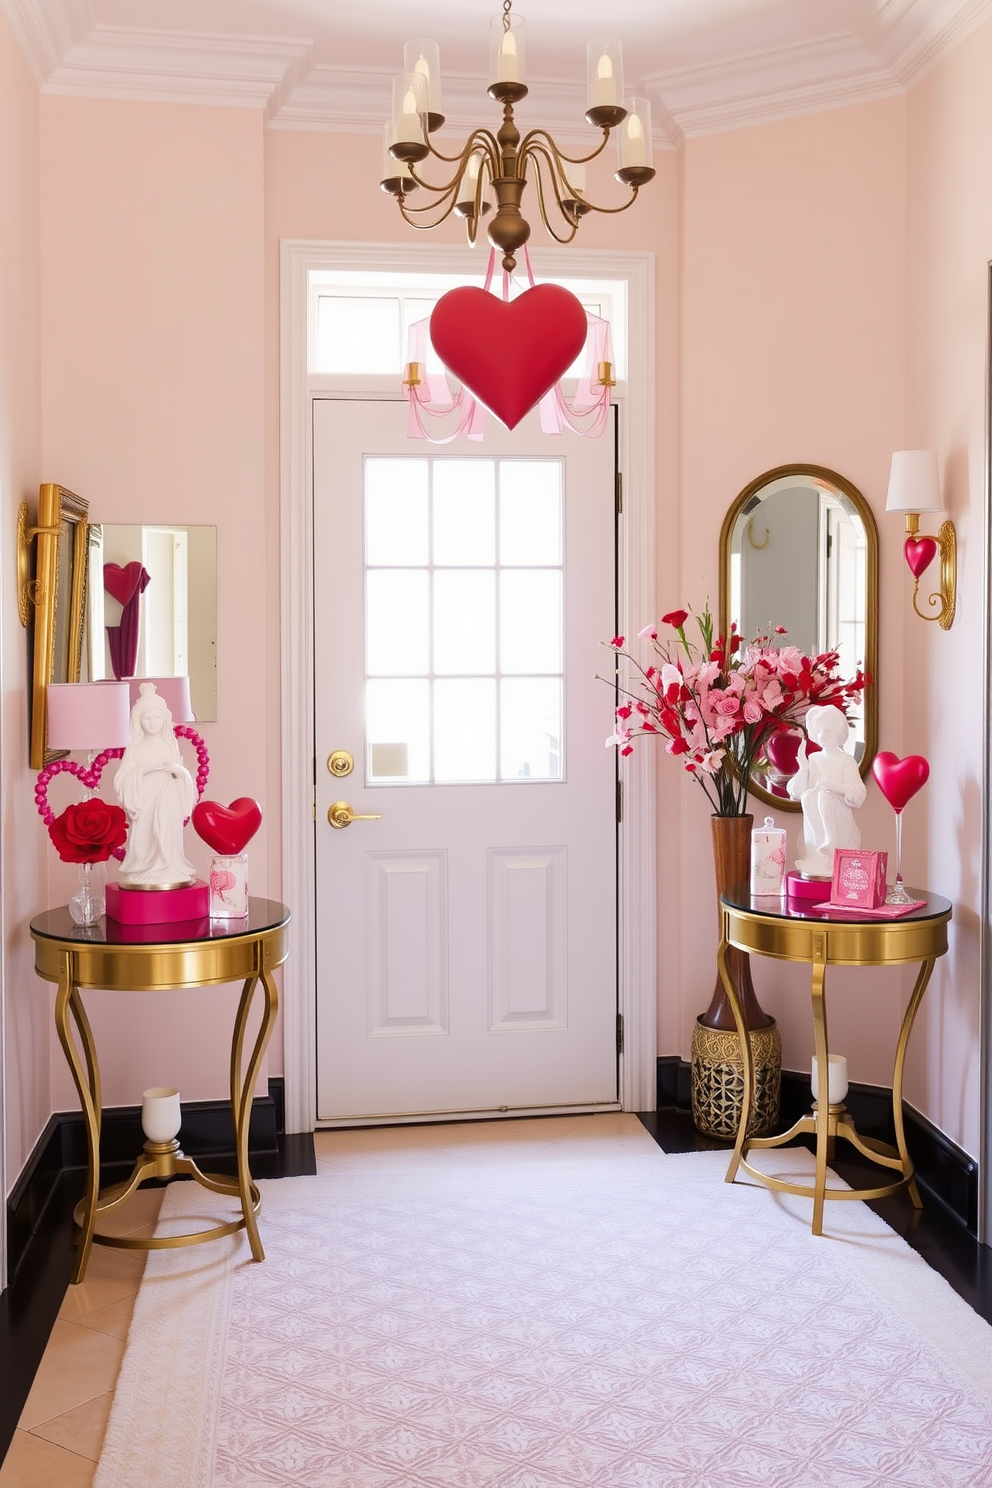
<point>859,878</point>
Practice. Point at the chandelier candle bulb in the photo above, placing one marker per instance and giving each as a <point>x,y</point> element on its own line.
<point>507,60</point>
<point>423,57</point>
<point>409,109</point>
<point>633,145</point>
<point>604,72</point>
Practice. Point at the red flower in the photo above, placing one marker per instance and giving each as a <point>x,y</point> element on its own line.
<point>676,618</point>
<point>88,831</point>
<point>617,643</point>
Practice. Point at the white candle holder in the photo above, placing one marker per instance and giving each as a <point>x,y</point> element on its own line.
<point>229,887</point>
<point>161,1116</point>
<point>836,1079</point>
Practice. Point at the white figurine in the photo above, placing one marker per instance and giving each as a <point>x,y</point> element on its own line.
<point>829,785</point>
<point>158,794</point>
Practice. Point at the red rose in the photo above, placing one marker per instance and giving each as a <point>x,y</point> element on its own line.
<point>676,618</point>
<point>88,831</point>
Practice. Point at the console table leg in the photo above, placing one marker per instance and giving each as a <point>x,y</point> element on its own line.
<point>822,1066</point>
<point>243,1089</point>
<point>909,1018</point>
<point>86,1077</point>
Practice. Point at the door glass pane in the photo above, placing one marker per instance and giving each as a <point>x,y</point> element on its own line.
<point>396,622</point>
<point>530,728</point>
<point>465,729</point>
<point>357,334</point>
<point>396,530</point>
<point>530,620</point>
<point>530,511</point>
<point>464,511</point>
<point>464,621</point>
<point>398,729</point>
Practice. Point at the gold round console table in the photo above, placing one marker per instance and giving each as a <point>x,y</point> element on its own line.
<point>127,958</point>
<point>766,926</point>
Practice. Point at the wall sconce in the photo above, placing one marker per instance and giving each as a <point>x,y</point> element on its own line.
<point>914,487</point>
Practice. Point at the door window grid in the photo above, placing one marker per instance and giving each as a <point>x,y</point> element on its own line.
<point>516,712</point>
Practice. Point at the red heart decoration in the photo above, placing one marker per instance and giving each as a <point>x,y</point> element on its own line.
<point>120,583</point>
<point>783,750</point>
<point>920,553</point>
<point>900,779</point>
<point>227,829</point>
<point>508,353</point>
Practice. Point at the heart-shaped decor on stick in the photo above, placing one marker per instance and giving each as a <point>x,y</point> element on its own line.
<point>227,829</point>
<point>508,353</point>
<point>900,779</point>
<point>920,553</point>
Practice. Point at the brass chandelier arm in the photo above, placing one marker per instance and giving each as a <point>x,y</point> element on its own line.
<point>612,211</point>
<point>478,139</point>
<point>537,153</point>
<point>536,138</point>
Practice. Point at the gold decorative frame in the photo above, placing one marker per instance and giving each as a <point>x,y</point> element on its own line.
<point>57,596</point>
<point>853,495</point>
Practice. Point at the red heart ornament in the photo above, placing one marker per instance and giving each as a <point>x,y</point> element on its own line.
<point>920,553</point>
<point>900,779</point>
<point>508,353</point>
<point>227,829</point>
<point>120,583</point>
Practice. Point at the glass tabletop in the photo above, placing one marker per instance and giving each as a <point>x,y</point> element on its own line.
<point>263,914</point>
<point>778,906</point>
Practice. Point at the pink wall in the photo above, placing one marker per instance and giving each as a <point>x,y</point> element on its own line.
<point>781,284</point>
<point>27,1097</point>
<point>949,238</point>
<point>153,380</point>
<point>793,350</point>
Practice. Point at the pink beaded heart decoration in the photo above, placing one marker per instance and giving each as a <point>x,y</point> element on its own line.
<point>90,776</point>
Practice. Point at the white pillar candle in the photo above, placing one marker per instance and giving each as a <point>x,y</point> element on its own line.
<point>161,1116</point>
<point>633,149</point>
<point>509,62</point>
<point>836,1079</point>
<point>604,88</point>
<point>576,178</point>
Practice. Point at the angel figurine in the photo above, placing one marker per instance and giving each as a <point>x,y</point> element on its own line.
<point>158,794</point>
<point>829,786</point>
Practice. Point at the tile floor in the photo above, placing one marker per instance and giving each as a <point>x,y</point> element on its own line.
<point>61,1428</point>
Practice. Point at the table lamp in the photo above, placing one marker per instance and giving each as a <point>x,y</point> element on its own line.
<point>88,716</point>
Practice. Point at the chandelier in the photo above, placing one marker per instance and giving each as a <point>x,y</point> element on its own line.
<point>502,160</point>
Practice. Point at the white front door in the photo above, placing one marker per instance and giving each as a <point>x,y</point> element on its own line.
<point>466,931</point>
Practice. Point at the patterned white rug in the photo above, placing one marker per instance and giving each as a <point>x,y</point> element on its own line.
<point>559,1324</point>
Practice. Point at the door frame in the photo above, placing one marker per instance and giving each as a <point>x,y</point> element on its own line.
<point>637,988</point>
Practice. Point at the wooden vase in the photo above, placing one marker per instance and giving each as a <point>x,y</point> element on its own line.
<point>717,1062</point>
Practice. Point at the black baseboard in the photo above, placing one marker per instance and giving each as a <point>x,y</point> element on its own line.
<point>206,1135</point>
<point>943,1169</point>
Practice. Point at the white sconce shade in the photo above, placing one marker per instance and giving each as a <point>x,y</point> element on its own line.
<point>161,1116</point>
<point>88,715</point>
<point>836,1079</point>
<point>914,482</point>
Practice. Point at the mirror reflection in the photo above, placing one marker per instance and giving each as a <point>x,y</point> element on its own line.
<point>799,549</point>
<point>152,606</point>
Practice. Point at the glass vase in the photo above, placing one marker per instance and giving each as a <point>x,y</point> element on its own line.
<point>89,901</point>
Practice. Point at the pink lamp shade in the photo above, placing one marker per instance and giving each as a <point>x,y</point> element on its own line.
<point>914,482</point>
<point>174,690</point>
<point>88,715</point>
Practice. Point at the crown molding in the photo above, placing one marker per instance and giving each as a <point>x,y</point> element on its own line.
<point>70,53</point>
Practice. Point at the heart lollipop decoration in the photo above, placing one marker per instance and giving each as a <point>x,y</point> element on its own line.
<point>227,829</point>
<point>920,553</point>
<point>899,779</point>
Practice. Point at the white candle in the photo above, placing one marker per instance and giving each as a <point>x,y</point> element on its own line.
<point>604,89</point>
<point>836,1079</point>
<point>472,172</point>
<point>509,62</point>
<point>576,178</point>
<point>408,125</point>
<point>633,147</point>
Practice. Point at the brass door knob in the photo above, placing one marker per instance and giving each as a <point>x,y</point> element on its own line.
<point>341,815</point>
<point>340,763</point>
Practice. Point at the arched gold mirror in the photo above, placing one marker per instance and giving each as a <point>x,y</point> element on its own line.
<point>799,548</point>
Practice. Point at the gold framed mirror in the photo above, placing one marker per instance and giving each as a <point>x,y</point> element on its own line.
<point>57,597</point>
<point>799,548</point>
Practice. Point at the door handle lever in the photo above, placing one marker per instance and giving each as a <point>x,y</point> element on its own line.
<point>341,815</point>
